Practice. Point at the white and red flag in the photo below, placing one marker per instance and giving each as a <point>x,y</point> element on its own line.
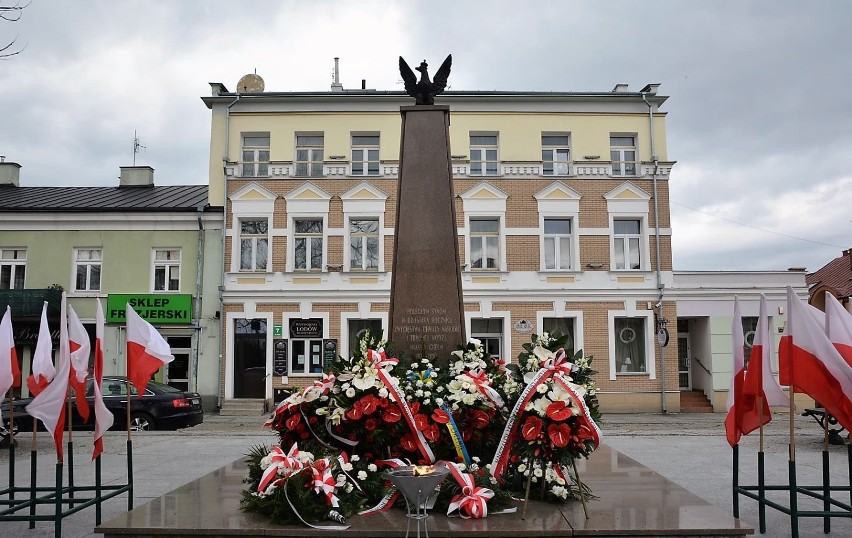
<point>103,416</point>
<point>43,371</point>
<point>734,419</point>
<point>759,380</point>
<point>10,372</point>
<point>811,363</point>
<point>838,327</point>
<point>49,405</point>
<point>147,350</point>
<point>80,351</point>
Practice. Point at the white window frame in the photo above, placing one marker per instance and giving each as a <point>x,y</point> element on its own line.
<point>557,244</point>
<point>310,242</point>
<point>9,258</point>
<point>344,344</point>
<point>313,162</point>
<point>576,315</point>
<point>479,154</point>
<point>619,165</point>
<point>166,266</point>
<point>650,340</point>
<point>486,312</point>
<point>558,201</point>
<point>560,167</point>
<point>254,239</point>
<point>89,264</point>
<point>256,165</point>
<point>361,154</point>
<point>625,247</point>
<point>482,238</point>
<point>286,319</point>
<point>361,202</point>
<point>363,244</point>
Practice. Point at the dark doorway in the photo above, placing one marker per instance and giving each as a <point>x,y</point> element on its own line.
<point>249,358</point>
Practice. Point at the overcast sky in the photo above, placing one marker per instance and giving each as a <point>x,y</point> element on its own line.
<point>759,114</point>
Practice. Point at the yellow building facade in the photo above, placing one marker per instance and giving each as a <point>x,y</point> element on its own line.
<point>562,212</point>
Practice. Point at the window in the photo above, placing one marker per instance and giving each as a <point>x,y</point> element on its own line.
<point>13,267</point>
<point>484,244</point>
<point>254,245</point>
<point>364,244</point>
<point>307,241</point>
<point>555,155</point>
<point>622,153</point>
<point>309,155</point>
<point>563,326</point>
<point>489,331</point>
<point>87,268</point>
<point>483,155</point>
<point>630,345</point>
<point>626,243</point>
<point>557,244</point>
<point>359,327</point>
<point>365,155</point>
<point>749,330</point>
<point>167,269</point>
<point>256,156</point>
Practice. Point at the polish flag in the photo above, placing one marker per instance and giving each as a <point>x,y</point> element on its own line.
<point>759,380</point>
<point>80,351</point>
<point>103,416</point>
<point>838,327</point>
<point>43,370</point>
<point>147,350</point>
<point>10,372</point>
<point>49,405</point>
<point>812,363</point>
<point>733,422</point>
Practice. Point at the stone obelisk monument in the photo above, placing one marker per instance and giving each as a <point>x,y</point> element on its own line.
<point>426,305</point>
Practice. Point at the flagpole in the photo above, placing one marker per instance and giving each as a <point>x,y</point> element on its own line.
<point>761,479</point>
<point>794,513</point>
<point>70,445</point>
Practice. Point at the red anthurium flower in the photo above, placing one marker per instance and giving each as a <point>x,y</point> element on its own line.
<point>293,421</point>
<point>440,416</point>
<point>369,404</point>
<point>392,414</point>
<point>558,411</point>
<point>421,421</point>
<point>371,424</point>
<point>531,428</point>
<point>432,433</point>
<point>415,407</point>
<point>479,419</point>
<point>354,413</point>
<point>408,443</point>
<point>559,434</point>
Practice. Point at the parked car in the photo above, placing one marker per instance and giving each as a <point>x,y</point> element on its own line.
<point>162,407</point>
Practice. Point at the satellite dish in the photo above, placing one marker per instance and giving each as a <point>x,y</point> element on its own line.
<point>251,83</point>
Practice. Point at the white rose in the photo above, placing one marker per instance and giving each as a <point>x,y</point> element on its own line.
<point>372,468</point>
<point>418,393</point>
<point>383,392</point>
<point>347,467</point>
<point>537,473</point>
<point>350,392</point>
<point>355,457</point>
<point>362,475</point>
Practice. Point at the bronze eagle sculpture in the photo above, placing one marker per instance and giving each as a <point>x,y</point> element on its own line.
<point>425,90</point>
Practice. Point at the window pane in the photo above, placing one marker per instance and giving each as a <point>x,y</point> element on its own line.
<point>634,252</point>
<point>476,253</point>
<point>246,254</point>
<point>308,226</point>
<point>357,168</point>
<point>630,344</point>
<point>80,283</point>
<point>262,248</point>
<point>159,278</point>
<point>300,255</point>
<point>621,141</point>
<point>316,170</point>
<point>483,140</point>
<point>95,277</point>
<point>564,253</point>
<point>309,140</point>
<point>174,278</point>
<point>619,253</point>
<point>301,155</point>
<point>355,253</point>
<point>491,251</point>
<point>563,325</point>
<point>373,168</point>
<point>549,253</point>
<point>483,226</point>
<point>555,140</point>
<point>557,226</point>
<point>372,252</point>
<point>624,227</point>
<point>316,253</point>
<point>20,271</point>
<point>475,167</point>
<point>365,140</point>
<point>491,168</point>
<point>256,141</point>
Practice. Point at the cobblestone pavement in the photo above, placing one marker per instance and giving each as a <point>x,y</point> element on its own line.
<point>689,449</point>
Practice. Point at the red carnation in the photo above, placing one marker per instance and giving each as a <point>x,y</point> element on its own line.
<point>392,414</point>
<point>559,434</point>
<point>531,428</point>
<point>371,424</point>
<point>559,411</point>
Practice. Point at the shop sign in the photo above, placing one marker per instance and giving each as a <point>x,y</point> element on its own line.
<point>279,357</point>
<point>523,326</point>
<point>153,308</point>
<point>329,352</point>
<point>306,328</point>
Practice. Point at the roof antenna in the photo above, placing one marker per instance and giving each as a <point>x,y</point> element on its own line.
<point>137,145</point>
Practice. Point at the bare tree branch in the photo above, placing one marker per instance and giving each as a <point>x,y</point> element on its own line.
<point>11,13</point>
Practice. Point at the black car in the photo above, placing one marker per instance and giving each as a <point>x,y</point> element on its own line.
<point>162,407</point>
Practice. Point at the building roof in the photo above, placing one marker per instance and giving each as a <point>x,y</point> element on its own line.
<point>153,198</point>
<point>836,276</point>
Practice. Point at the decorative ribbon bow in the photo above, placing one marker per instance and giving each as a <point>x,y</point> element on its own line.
<point>559,363</point>
<point>483,384</point>
<point>288,462</point>
<point>473,500</point>
<point>325,383</point>
<point>379,359</point>
<point>323,482</point>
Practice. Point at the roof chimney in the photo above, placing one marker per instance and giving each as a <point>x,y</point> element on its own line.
<point>620,88</point>
<point>136,176</point>
<point>10,173</point>
<point>336,86</point>
<point>650,88</point>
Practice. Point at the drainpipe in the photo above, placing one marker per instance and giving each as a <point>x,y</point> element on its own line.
<point>199,275</point>
<point>660,286</point>
<point>225,159</point>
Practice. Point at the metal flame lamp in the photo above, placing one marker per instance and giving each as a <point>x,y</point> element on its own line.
<point>417,482</point>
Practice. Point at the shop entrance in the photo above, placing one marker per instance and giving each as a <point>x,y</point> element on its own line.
<point>249,372</point>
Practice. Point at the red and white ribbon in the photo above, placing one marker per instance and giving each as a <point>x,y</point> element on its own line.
<point>323,482</point>
<point>479,378</point>
<point>473,500</point>
<point>378,359</point>
<point>585,413</point>
<point>289,462</point>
